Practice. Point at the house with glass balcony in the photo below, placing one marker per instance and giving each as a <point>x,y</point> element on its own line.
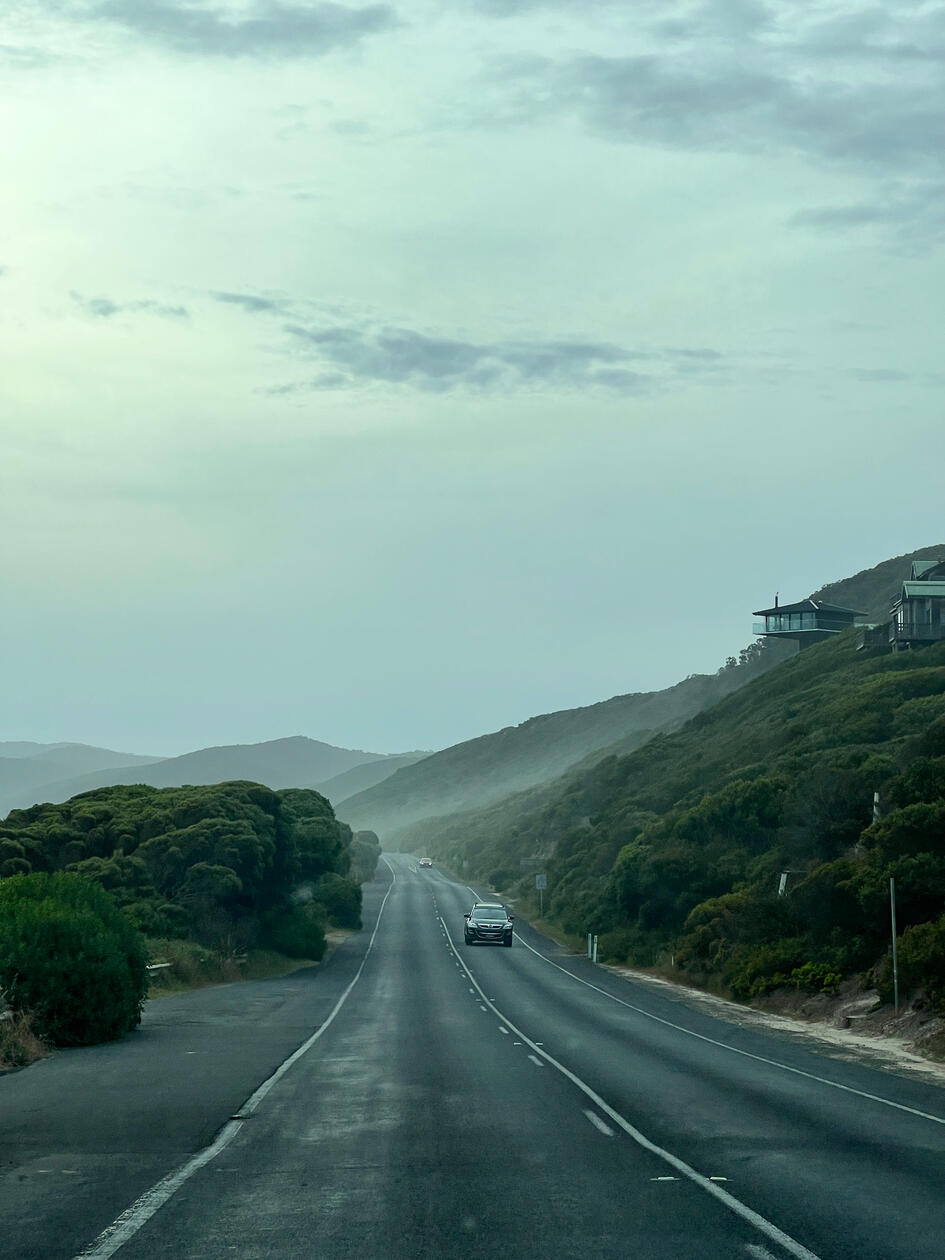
<point>810,621</point>
<point>918,615</point>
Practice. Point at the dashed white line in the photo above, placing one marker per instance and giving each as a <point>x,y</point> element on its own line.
<point>758,1253</point>
<point>793,1248</point>
<point>503,1030</point>
<point>537,1062</point>
<point>599,1124</point>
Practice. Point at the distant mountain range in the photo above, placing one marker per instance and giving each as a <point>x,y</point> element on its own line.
<point>31,773</point>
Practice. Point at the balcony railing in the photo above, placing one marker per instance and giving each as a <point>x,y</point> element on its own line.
<point>789,625</point>
<point>916,631</point>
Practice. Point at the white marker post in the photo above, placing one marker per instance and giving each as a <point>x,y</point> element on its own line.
<point>594,959</point>
<point>541,883</point>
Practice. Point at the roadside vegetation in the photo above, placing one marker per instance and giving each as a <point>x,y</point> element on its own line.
<point>213,882</point>
<point>674,853</point>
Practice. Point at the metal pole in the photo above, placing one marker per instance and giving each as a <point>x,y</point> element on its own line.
<point>595,949</point>
<point>588,944</point>
<point>895,951</point>
<point>876,812</point>
<point>541,904</point>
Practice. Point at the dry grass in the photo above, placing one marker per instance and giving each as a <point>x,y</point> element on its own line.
<point>19,1045</point>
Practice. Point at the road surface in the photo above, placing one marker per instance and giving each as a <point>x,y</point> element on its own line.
<point>455,1101</point>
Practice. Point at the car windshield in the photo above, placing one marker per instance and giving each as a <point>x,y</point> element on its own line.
<point>489,912</point>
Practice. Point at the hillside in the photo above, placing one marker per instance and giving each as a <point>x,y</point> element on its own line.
<point>26,766</point>
<point>279,763</point>
<point>677,848</point>
<point>486,769</point>
<point>359,778</point>
<point>873,590</point>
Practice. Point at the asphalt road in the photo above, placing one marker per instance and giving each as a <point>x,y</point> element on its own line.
<point>457,1100</point>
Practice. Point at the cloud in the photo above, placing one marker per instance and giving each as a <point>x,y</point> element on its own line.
<point>879,376</point>
<point>250,302</point>
<point>105,308</point>
<point>270,30</point>
<point>913,210</point>
<point>850,87</point>
<point>394,355</point>
<point>354,351</point>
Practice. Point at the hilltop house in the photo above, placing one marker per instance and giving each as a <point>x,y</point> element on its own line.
<point>918,615</point>
<point>808,622</point>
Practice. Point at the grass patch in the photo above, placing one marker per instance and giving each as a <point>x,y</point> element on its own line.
<point>193,966</point>
<point>19,1045</point>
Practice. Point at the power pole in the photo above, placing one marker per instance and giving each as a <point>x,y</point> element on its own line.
<point>895,951</point>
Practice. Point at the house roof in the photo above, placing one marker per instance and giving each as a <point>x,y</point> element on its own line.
<point>807,605</point>
<point>922,567</point>
<point>922,590</point>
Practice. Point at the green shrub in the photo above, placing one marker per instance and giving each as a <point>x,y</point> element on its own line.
<point>341,899</point>
<point>816,978</point>
<point>921,964</point>
<point>70,958</point>
<point>298,932</point>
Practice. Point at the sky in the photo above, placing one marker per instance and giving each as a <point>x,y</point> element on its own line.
<point>389,373</point>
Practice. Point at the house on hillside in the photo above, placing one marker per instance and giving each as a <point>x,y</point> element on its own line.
<point>918,615</point>
<point>808,622</point>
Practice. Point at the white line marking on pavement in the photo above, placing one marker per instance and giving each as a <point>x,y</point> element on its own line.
<point>599,1124</point>
<point>718,1178</point>
<point>795,1249</point>
<point>759,1058</point>
<point>503,1030</point>
<point>537,1062</point>
<point>124,1227</point>
<point>758,1253</point>
<point>481,1007</point>
<point>664,1179</point>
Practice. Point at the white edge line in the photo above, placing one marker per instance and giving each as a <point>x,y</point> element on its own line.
<point>764,1226</point>
<point>759,1058</point>
<point>124,1227</point>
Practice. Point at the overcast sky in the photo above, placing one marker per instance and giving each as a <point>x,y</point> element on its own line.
<point>390,373</point>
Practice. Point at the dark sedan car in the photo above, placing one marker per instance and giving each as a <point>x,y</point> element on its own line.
<point>488,921</point>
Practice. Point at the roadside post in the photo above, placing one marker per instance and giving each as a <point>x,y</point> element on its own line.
<point>589,938</point>
<point>541,883</point>
<point>594,959</point>
<point>895,950</point>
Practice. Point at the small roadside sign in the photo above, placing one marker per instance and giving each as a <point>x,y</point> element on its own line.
<point>541,881</point>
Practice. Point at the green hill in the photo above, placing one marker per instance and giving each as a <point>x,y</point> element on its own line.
<point>677,848</point>
<point>486,769</point>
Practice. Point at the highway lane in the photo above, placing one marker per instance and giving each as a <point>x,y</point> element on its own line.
<point>465,1099</point>
<point>83,1133</point>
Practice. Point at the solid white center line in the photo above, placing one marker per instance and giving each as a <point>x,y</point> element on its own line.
<point>599,1124</point>
<point>537,1062</point>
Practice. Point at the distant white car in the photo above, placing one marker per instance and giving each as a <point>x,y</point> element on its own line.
<point>425,862</point>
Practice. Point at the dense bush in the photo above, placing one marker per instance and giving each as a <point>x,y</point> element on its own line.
<point>921,964</point>
<point>70,958</point>
<point>298,932</point>
<point>212,864</point>
<point>341,899</point>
